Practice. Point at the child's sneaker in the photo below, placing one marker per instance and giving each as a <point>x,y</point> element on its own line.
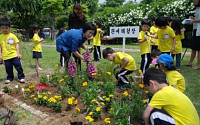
<point>7,81</point>
<point>22,80</point>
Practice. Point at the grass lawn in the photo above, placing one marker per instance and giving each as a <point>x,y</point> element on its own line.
<point>51,57</point>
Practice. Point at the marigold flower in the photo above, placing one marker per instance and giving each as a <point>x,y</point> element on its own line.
<point>32,96</point>
<point>90,113</point>
<point>56,65</point>
<point>89,118</point>
<point>24,115</point>
<point>140,71</point>
<point>98,109</point>
<point>125,93</point>
<point>94,100</point>
<point>39,96</point>
<point>107,120</point>
<point>93,74</point>
<point>61,80</point>
<point>77,109</point>
<point>85,84</point>
<point>144,101</point>
<point>52,99</point>
<point>73,98</point>
<point>66,76</point>
<point>70,101</point>
<point>49,93</point>
<point>102,103</point>
<point>35,99</point>
<point>18,83</point>
<point>111,109</point>
<point>104,97</point>
<point>110,95</point>
<point>109,73</point>
<point>58,97</point>
<point>141,86</point>
<point>45,97</point>
<point>107,99</point>
<point>43,93</point>
<point>146,92</point>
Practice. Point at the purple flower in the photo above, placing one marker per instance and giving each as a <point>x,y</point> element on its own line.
<point>72,69</point>
<point>91,70</point>
<point>86,57</point>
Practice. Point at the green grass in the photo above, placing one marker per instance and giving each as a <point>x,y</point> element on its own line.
<point>51,57</point>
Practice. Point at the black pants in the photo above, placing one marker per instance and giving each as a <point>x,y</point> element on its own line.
<point>97,53</point>
<point>67,55</point>
<point>121,76</point>
<point>160,117</point>
<point>9,68</point>
<point>145,62</point>
<point>153,47</point>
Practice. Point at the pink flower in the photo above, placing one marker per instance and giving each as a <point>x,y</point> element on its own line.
<point>40,87</point>
<point>86,57</point>
<point>91,70</point>
<point>72,69</point>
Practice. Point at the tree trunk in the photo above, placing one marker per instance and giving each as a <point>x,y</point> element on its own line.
<point>27,34</point>
<point>53,36</point>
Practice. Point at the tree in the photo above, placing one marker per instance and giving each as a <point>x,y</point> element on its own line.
<point>114,3</point>
<point>52,8</point>
<point>23,12</point>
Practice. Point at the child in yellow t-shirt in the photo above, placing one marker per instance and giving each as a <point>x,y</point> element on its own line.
<point>168,106</point>
<point>144,42</point>
<point>37,48</point>
<point>175,24</point>
<point>9,52</point>
<point>97,41</point>
<point>175,79</point>
<point>153,31</point>
<point>165,36</point>
<point>127,65</point>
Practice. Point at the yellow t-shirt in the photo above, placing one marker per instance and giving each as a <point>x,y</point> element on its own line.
<point>153,30</point>
<point>178,47</point>
<point>119,60</point>
<point>36,46</point>
<point>165,38</point>
<point>177,104</point>
<point>96,39</point>
<point>175,78</point>
<point>144,46</point>
<point>8,45</point>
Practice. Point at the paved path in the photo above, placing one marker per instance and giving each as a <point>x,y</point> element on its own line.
<point>116,49</point>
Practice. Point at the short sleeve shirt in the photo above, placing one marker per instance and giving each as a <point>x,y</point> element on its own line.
<point>178,46</point>
<point>36,46</point>
<point>165,38</point>
<point>97,39</point>
<point>144,46</point>
<point>8,44</point>
<point>119,60</point>
<point>177,104</point>
<point>153,30</point>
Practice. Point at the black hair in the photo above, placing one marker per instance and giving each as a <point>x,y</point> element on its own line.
<point>155,52</point>
<point>154,18</point>
<point>107,51</point>
<point>154,74</point>
<point>176,25</point>
<point>161,21</point>
<point>146,22</point>
<point>98,22</point>
<point>61,30</point>
<point>35,27</point>
<point>90,26</point>
<point>170,68</point>
<point>5,22</point>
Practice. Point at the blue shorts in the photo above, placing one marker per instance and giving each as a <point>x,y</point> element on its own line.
<point>37,54</point>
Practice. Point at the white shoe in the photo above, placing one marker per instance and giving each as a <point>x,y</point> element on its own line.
<point>7,81</point>
<point>22,80</point>
<point>39,68</point>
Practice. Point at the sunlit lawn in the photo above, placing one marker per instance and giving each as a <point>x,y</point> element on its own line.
<point>51,57</point>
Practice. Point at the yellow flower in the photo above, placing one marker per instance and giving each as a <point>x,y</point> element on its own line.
<point>24,115</point>
<point>70,101</point>
<point>91,119</point>
<point>43,93</point>
<point>104,97</point>
<point>102,103</point>
<point>98,109</point>
<point>76,101</point>
<point>107,99</point>
<point>58,97</point>
<point>35,99</point>
<point>125,93</point>
<point>94,100</point>
<point>66,76</point>
<point>39,96</point>
<point>107,120</point>
<point>109,73</point>
<point>32,96</point>
<point>56,65</point>
<point>77,109</point>
<point>90,113</point>
<point>45,97</point>
<point>61,80</point>
<point>49,93</point>
<point>111,109</point>
<point>140,71</point>
<point>18,83</point>
<point>52,99</point>
<point>141,86</point>
<point>73,98</point>
<point>144,101</point>
<point>85,84</point>
<point>94,74</point>
<point>146,92</point>
<point>110,95</point>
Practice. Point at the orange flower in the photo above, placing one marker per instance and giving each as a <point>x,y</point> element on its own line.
<point>140,71</point>
<point>141,86</point>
